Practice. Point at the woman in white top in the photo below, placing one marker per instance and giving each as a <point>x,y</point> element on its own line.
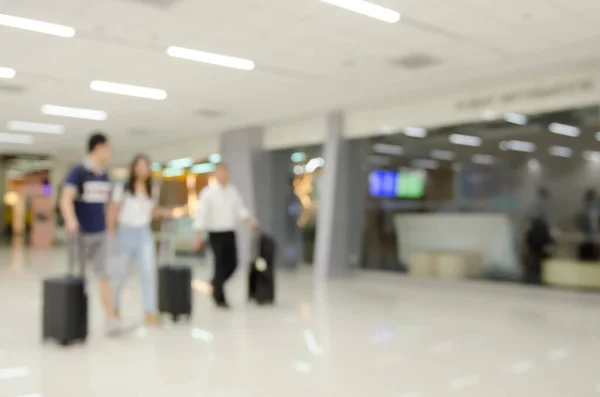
<point>133,208</point>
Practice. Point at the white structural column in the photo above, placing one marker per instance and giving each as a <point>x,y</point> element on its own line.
<point>332,257</point>
<point>242,150</point>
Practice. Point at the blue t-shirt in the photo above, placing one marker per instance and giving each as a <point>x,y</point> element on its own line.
<point>90,204</point>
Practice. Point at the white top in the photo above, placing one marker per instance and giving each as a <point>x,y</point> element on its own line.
<point>136,209</point>
<point>220,209</point>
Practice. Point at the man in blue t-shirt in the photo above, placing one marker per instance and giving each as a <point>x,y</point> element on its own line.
<point>84,196</point>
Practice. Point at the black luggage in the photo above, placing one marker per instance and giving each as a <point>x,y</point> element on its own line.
<point>174,282</point>
<point>261,283</point>
<point>175,291</point>
<point>65,306</point>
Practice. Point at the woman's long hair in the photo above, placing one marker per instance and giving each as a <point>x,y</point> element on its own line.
<point>130,186</point>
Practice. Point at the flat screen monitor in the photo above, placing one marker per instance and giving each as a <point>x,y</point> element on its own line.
<point>393,184</point>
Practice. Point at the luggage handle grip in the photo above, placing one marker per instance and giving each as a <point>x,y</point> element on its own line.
<point>74,254</point>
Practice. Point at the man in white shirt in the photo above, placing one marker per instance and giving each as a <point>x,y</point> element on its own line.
<point>220,209</point>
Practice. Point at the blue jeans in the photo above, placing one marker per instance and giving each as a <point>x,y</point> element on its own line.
<point>136,244</point>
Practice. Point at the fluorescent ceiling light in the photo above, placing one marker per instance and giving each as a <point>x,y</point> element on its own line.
<point>36,26</point>
<point>210,58</point>
<point>77,113</point>
<point>172,172</point>
<point>415,132</point>
<point>465,140</point>
<point>426,164</point>
<point>518,146</point>
<point>591,155</point>
<point>181,163</point>
<point>214,158</point>
<point>385,148</point>
<point>561,151</point>
<point>42,128</point>
<point>486,159</point>
<point>16,138</point>
<point>516,118</point>
<point>128,90</point>
<point>564,129</point>
<point>298,157</point>
<point>443,155</point>
<point>368,9</point>
<point>7,73</point>
<point>204,168</point>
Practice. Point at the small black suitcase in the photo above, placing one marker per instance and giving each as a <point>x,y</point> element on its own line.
<point>261,283</point>
<point>175,291</point>
<point>65,306</point>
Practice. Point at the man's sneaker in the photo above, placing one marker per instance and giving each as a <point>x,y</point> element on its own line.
<point>113,327</point>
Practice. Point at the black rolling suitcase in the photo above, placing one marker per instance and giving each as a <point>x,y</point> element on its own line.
<point>65,306</point>
<point>174,282</point>
<point>261,283</point>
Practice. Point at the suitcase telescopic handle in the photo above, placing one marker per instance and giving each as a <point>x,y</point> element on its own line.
<point>74,254</point>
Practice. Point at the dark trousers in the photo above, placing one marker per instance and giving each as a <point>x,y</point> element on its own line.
<point>224,249</point>
<point>587,252</point>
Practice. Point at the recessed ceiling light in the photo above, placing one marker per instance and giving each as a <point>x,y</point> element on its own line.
<point>36,26</point>
<point>128,90</point>
<point>16,138</point>
<point>415,132</point>
<point>384,148</point>
<point>486,159</point>
<point>425,164</point>
<point>443,155</point>
<point>77,113</point>
<point>210,58</point>
<point>42,128</point>
<point>465,140</point>
<point>561,151</point>
<point>518,146</point>
<point>368,9</point>
<point>7,73</point>
<point>516,118</point>
<point>564,129</point>
<point>591,155</point>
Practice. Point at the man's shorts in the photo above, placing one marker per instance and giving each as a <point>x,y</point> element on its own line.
<point>92,248</point>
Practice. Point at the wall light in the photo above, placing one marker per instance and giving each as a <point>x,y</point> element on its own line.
<point>443,155</point>
<point>385,148</point>
<point>415,132</point>
<point>518,146</point>
<point>564,129</point>
<point>560,151</point>
<point>516,118</point>
<point>465,140</point>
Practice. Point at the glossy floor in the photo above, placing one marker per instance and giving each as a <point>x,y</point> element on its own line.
<point>368,335</point>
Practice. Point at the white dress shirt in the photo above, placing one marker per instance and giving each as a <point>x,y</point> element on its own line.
<point>220,209</point>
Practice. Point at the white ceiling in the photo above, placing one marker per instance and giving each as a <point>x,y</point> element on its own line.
<point>310,57</point>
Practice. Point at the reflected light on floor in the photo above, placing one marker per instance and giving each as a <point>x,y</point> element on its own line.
<point>312,344</point>
<point>467,381</point>
<point>11,373</point>
<point>302,367</point>
<point>200,334</point>
<point>202,286</point>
